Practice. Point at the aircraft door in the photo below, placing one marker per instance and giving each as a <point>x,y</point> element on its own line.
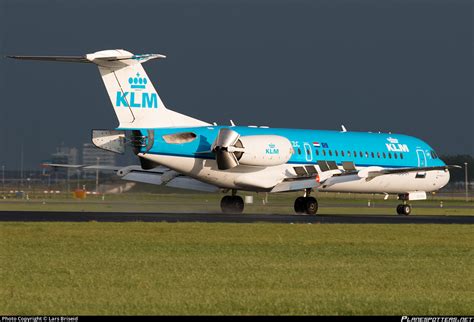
<point>308,152</point>
<point>421,158</point>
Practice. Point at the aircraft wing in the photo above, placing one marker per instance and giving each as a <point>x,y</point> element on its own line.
<point>159,169</point>
<point>62,165</point>
<point>82,166</point>
<point>157,176</point>
<point>315,180</point>
<point>170,179</point>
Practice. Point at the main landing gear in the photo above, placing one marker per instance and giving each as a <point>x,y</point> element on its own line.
<point>306,205</point>
<point>404,209</point>
<point>232,204</point>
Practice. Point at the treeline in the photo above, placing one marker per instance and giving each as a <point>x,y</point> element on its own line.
<point>458,174</point>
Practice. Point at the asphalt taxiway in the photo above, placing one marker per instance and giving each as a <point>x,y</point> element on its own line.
<point>67,216</point>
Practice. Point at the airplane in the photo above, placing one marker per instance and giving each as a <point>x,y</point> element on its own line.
<point>181,151</point>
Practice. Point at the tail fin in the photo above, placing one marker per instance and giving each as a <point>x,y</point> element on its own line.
<point>134,98</point>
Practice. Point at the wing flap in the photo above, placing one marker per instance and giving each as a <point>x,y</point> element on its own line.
<point>299,184</point>
<point>191,184</point>
<point>411,169</point>
<point>170,180</point>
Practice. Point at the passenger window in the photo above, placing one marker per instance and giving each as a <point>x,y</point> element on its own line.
<point>372,153</point>
<point>401,155</point>
<point>330,152</point>
<point>378,155</point>
<point>342,153</point>
<point>383,155</point>
<point>324,152</point>
<point>361,154</point>
<point>355,154</point>
<point>317,152</point>
<point>299,151</point>
<point>335,151</point>
<point>395,155</point>
<point>389,155</point>
<point>348,153</point>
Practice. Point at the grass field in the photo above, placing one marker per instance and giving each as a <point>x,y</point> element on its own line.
<point>192,268</point>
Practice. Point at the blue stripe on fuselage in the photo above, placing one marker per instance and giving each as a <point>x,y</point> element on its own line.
<point>328,141</point>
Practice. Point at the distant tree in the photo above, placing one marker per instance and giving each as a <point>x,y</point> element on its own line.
<point>458,174</point>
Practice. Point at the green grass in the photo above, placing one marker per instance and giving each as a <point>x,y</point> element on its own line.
<point>192,268</point>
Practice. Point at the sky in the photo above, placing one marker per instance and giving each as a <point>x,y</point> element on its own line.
<point>404,66</point>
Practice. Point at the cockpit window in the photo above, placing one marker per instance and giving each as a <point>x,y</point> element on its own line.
<point>434,155</point>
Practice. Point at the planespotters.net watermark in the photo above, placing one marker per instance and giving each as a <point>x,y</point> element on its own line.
<point>41,319</point>
<point>437,319</point>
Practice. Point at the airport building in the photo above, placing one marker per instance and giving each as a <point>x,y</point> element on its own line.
<point>91,155</point>
<point>65,155</point>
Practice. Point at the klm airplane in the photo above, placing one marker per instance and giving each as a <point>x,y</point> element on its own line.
<point>180,151</point>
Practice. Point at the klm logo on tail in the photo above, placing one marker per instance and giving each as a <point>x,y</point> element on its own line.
<point>137,99</point>
<point>148,100</point>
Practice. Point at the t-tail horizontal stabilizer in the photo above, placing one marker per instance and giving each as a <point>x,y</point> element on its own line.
<point>133,96</point>
<point>104,58</point>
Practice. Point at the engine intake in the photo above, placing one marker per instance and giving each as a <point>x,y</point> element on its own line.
<point>231,149</point>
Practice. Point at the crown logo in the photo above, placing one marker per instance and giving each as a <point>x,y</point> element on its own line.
<point>271,145</point>
<point>137,82</point>
<point>392,140</point>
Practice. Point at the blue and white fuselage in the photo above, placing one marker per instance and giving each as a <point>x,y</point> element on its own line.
<point>309,148</point>
<point>180,151</point>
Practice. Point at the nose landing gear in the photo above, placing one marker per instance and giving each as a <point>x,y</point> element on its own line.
<point>404,209</point>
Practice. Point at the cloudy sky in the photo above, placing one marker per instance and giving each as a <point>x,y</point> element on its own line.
<point>392,65</point>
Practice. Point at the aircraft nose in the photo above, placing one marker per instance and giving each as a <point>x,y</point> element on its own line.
<point>443,178</point>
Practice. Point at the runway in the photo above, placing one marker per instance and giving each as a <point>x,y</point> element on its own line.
<point>66,216</point>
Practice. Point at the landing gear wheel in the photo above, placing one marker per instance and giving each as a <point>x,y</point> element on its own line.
<point>232,204</point>
<point>226,203</point>
<point>311,206</point>
<point>404,210</point>
<point>306,205</point>
<point>300,203</point>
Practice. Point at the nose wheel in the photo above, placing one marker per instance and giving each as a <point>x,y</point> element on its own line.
<point>306,205</point>
<point>232,204</point>
<point>403,209</point>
